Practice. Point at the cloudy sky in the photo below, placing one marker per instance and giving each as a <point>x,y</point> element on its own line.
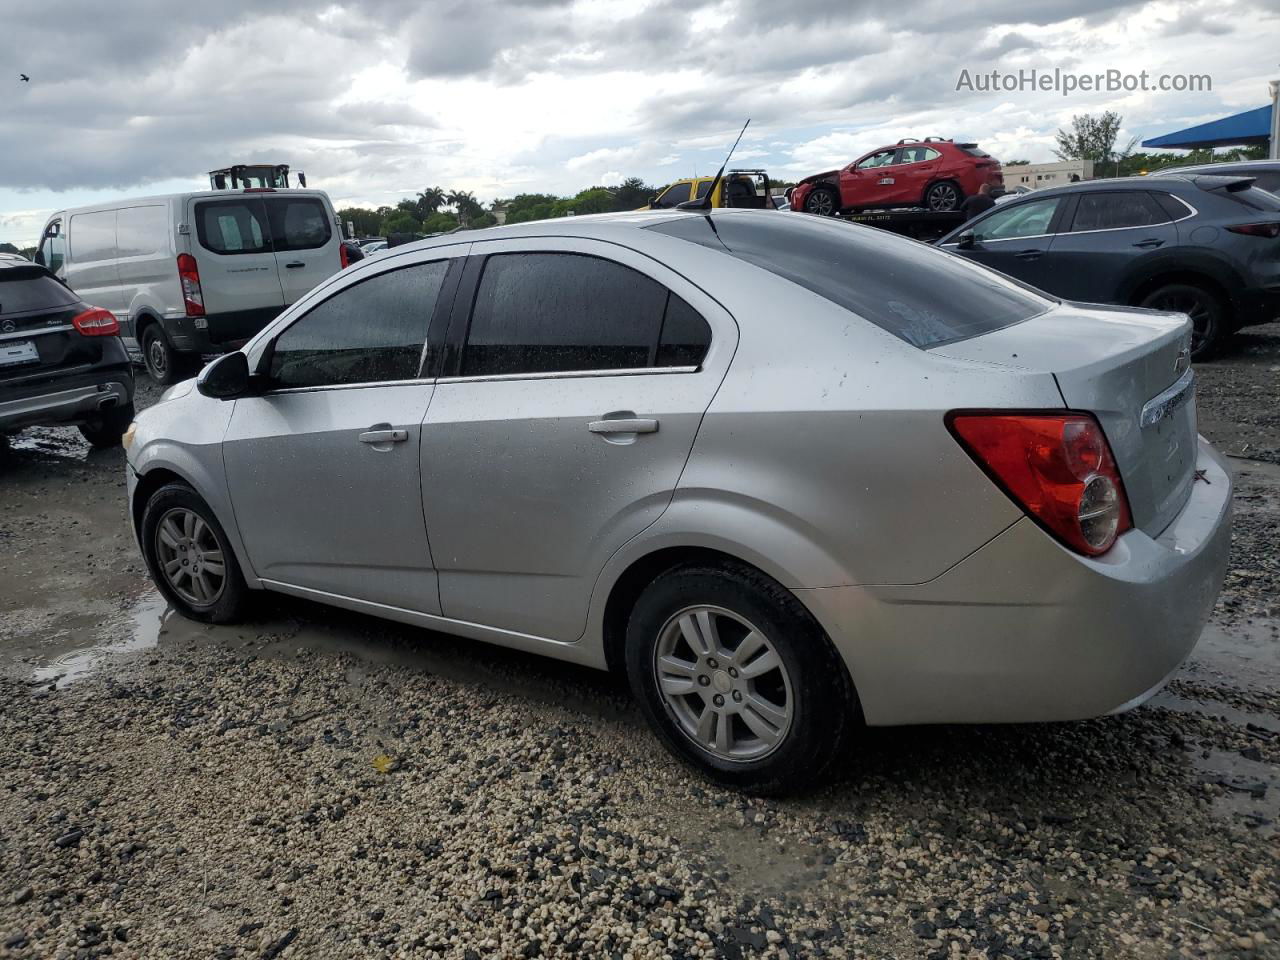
<point>380,98</point>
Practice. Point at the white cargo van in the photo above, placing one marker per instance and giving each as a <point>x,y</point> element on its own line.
<point>194,273</point>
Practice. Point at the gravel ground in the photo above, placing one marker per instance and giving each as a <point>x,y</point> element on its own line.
<point>320,784</point>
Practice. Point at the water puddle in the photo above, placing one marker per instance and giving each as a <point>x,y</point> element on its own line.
<point>1243,655</point>
<point>139,628</point>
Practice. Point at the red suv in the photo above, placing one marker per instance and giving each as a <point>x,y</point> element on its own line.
<point>934,173</point>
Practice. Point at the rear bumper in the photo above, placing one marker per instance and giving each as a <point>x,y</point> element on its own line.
<point>217,332</point>
<point>62,403</point>
<point>1024,630</point>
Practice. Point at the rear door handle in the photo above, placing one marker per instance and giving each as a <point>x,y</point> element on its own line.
<point>384,436</point>
<point>1149,243</point>
<point>632,425</point>
<point>295,265</point>
<point>1029,254</point>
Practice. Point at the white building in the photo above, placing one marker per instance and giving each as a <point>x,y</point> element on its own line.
<point>1033,176</point>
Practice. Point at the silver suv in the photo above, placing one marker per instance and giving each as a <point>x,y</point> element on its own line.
<point>788,475</point>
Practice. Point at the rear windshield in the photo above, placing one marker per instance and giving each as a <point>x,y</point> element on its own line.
<point>233,226</point>
<point>975,152</point>
<point>1253,198</point>
<point>30,288</point>
<point>298,223</point>
<point>919,293</point>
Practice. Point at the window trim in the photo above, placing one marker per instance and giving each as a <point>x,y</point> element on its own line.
<point>465,302</point>
<point>1136,226</point>
<point>1058,214</point>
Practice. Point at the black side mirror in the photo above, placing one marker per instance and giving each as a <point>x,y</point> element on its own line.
<point>965,241</point>
<point>653,201</point>
<point>226,378</point>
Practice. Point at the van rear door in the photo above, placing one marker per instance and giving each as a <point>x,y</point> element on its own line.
<point>306,243</point>
<point>238,276</point>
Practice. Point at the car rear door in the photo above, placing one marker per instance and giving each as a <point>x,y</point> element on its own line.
<point>913,173</point>
<point>306,244</point>
<point>238,276</point>
<point>1110,235</point>
<point>577,377</point>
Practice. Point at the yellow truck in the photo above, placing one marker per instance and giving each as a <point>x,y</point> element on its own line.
<point>738,188</point>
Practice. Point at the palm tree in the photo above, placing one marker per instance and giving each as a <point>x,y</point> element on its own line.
<point>465,202</point>
<point>430,201</point>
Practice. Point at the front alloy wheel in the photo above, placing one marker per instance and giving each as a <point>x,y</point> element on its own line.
<point>821,202</point>
<point>190,557</point>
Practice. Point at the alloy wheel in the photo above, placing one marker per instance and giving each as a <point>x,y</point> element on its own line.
<point>191,559</point>
<point>724,683</point>
<point>1193,306</point>
<point>943,197</point>
<point>821,203</point>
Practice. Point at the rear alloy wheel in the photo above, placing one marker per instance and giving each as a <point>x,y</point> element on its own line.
<point>943,196</point>
<point>165,365</point>
<point>190,558</point>
<point>1207,313</point>
<point>737,679</point>
<point>822,201</point>
<point>106,429</point>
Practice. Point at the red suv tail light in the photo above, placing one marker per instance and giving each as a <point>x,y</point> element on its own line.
<point>96,322</point>
<point>1271,230</point>
<point>189,275</point>
<point>1057,467</point>
<point>344,256</point>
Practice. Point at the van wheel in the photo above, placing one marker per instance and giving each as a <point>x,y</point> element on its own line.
<point>107,429</point>
<point>165,365</point>
<point>189,557</point>
<point>1207,312</point>
<point>738,680</point>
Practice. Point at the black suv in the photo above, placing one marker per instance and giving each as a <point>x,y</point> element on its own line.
<point>1206,246</point>
<point>61,360</point>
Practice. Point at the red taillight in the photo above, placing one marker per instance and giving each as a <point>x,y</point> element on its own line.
<point>1271,229</point>
<point>344,257</point>
<point>96,322</point>
<point>1057,467</point>
<point>189,276</point>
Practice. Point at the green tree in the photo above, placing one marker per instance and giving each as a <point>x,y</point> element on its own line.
<point>1094,138</point>
<point>631,193</point>
<point>8,248</point>
<point>1016,163</point>
<point>366,222</point>
<point>439,223</point>
<point>465,202</point>
<point>430,201</point>
<point>401,222</point>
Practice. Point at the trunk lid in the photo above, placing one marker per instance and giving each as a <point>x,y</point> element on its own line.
<point>1128,367</point>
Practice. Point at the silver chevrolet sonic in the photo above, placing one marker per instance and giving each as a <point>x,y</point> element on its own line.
<point>790,476</point>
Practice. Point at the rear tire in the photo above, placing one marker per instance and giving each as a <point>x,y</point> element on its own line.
<point>190,558</point>
<point>165,365</point>
<point>943,196</point>
<point>107,429</point>
<point>822,202</point>
<point>768,715</point>
<point>1209,315</point>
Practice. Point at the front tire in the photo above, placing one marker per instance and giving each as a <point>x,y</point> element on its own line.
<point>737,679</point>
<point>106,429</point>
<point>190,558</point>
<point>1208,314</point>
<point>822,202</point>
<point>943,196</point>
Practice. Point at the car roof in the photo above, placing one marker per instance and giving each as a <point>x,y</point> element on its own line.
<point>587,225</point>
<point>186,195</point>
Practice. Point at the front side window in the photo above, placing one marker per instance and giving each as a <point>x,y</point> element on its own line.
<point>1116,209</point>
<point>701,192</point>
<point>882,159</point>
<point>52,252</point>
<point>560,312</point>
<point>1030,219</point>
<point>298,223</point>
<point>372,332</point>
<point>233,226</point>
<point>676,193</point>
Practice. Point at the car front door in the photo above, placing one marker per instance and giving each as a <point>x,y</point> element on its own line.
<point>1112,235</point>
<point>581,375</point>
<point>302,234</point>
<point>1016,239</point>
<point>323,466</point>
<point>868,181</point>
<point>678,192</point>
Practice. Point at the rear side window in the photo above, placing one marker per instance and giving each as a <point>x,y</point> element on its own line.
<point>233,226</point>
<point>93,236</point>
<point>372,332</point>
<point>142,231</point>
<point>298,223</point>
<point>918,293</point>
<point>676,193</point>
<point>23,289</point>
<point>1115,209</point>
<point>560,312</point>
<point>685,338</point>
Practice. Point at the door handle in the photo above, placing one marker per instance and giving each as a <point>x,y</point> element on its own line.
<point>1029,254</point>
<point>1150,243</point>
<point>632,425</point>
<point>295,265</point>
<point>384,436</point>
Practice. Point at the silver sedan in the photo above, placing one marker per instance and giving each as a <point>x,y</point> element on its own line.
<point>791,476</point>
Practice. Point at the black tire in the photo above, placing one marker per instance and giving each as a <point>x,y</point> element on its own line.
<point>231,602</point>
<point>165,365</point>
<point>823,702</point>
<point>106,429</point>
<point>822,202</point>
<point>943,196</point>
<point>1210,324</point>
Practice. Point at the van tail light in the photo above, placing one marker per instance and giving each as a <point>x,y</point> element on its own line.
<point>189,275</point>
<point>1057,467</point>
<point>344,257</point>
<point>1270,229</point>
<point>96,322</point>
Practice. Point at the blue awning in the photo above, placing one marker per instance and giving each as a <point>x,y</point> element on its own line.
<point>1252,126</point>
